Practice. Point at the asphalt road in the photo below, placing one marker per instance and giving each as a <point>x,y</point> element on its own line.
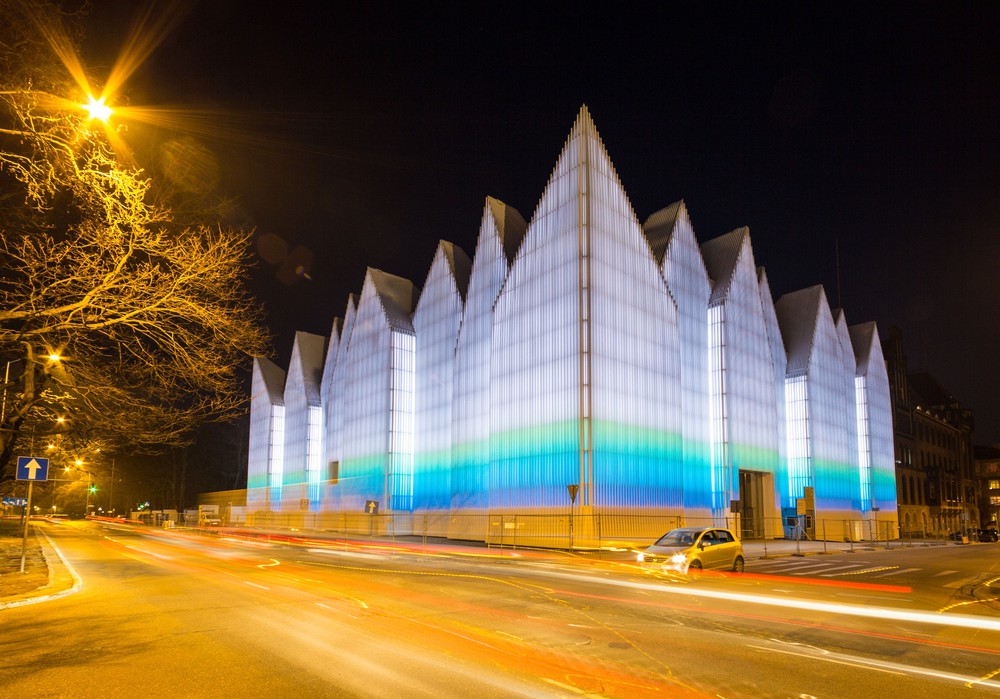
<point>165,613</point>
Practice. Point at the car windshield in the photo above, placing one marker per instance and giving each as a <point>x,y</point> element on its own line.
<point>677,537</point>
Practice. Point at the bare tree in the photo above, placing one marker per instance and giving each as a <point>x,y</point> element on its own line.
<point>117,323</point>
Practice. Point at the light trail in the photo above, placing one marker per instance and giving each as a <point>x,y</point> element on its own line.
<point>883,613</point>
<point>882,666</point>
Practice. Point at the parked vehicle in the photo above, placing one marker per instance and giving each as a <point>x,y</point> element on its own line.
<point>988,535</point>
<point>695,548</point>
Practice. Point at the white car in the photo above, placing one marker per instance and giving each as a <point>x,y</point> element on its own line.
<point>694,548</point>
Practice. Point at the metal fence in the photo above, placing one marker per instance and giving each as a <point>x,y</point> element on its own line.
<point>606,531</point>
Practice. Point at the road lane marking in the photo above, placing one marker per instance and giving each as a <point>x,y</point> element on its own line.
<point>274,562</point>
<point>883,666</point>
<point>944,572</point>
<point>150,553</point>
<point>897,572</point>
<point>981,679</point>
<point>256,585</point>
<point>968,602</point>
<point>867,570</point>
<point>348,554</point>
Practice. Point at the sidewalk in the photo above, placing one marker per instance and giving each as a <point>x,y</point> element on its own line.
<point>46,576</point>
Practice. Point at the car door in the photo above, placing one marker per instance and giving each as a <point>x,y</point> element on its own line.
<point>709,546</point>
<point>725,549</point>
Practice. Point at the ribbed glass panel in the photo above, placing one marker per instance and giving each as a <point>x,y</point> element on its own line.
<point>799,454</point>
<point>276,450</point>
<point>689,286</point>
<point>744,399</point>
<point>721,480</point>
<point>333,407</point>
<point>880,434</point>
<point>635,358</point>
<point>778,365</point>
<point>314,454</point>
<point>436,322</point>
<point>367,384</point>
<point>586,362</point>
<point>296,426</point>
<point>401,404</point>
<point>832,425</point>
<point>259,447</point>
<point>535,412</point>
<point>864,443</point>
<point>471,451</point>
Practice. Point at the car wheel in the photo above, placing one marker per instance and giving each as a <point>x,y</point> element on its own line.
<point>694,566</point>
<point>738,564</point>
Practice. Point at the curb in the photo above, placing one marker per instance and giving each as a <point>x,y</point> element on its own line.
<point>63,578</point>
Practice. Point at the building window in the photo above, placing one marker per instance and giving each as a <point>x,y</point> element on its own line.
<point>994,484</point>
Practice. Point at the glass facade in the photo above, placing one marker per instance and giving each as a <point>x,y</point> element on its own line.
<point>436,322</point>
<point>266,444</point>
<point>579,353</point>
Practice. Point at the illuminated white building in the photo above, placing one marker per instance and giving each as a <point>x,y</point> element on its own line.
<point>583,370</point>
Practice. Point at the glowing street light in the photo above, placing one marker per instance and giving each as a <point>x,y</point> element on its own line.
<point>96,109</point>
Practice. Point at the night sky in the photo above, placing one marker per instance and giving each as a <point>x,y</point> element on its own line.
<point>360,136</point>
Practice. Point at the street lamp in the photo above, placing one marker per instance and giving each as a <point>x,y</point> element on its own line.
<point>96,109</point>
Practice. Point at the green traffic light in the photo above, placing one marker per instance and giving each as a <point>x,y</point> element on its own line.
<point>93,488</point>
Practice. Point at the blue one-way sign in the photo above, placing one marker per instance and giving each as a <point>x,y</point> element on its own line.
<point>32,468</point>
<point>16,502</point>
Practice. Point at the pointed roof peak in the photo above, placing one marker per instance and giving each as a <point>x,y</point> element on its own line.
<point>273,378</point>
<point>397,296</point>
<point>721,255</point>
<point>659,227</point>
<point>509,224</point>
<point>459,265</point>
<point>798,315</point>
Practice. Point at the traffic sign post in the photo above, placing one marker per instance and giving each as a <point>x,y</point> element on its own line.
<point>27,517</point>
<point>31,469</point>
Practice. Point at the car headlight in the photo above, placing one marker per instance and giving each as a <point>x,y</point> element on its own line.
<point>640,557</point>
<point>678,558</point>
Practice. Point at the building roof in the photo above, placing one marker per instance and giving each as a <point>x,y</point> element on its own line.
<point>721,256</point>
<point>273,378</point>
<point>397,296</point>
<point>659,228</point>
<point>309,350</point>
<point>459,264</point>
<point>510,226</point>
<point>798,313</point>
<point>862,336</point>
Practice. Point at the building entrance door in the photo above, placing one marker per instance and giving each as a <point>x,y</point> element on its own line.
<point>752,505</point>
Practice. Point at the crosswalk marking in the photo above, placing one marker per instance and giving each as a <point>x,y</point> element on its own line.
<point>831,569</point>
<point>896,572</point>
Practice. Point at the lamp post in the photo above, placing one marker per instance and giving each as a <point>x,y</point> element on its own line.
<point>6,380</point>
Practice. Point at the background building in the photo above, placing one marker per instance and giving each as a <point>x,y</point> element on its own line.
<point>584,376</point>
<point>937,483</point>
<point>988,473</point>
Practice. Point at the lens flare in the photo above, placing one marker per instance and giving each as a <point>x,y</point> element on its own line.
<point>96,109</point>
